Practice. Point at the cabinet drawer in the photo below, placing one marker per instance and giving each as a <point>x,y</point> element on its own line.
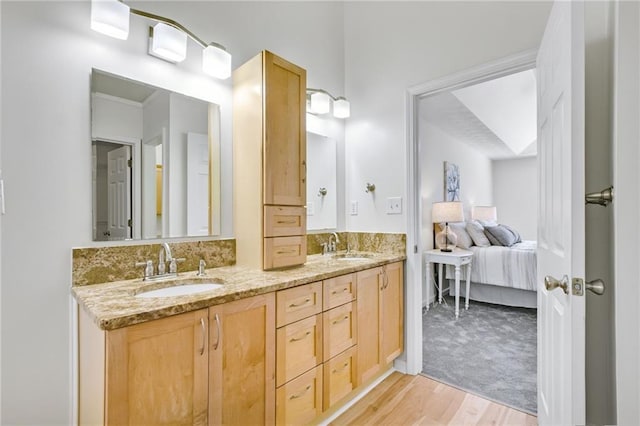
<point>339,377</point>
<point>339,290</point>
<point>300,401</point>
<point>284,251</point>
<point>298,348</point>
<point>282,221</point>
<point>297,303</point>
<point>339,329</point>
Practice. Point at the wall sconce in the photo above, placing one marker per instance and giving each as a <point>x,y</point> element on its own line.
<point>320,103</point>
<point>168,38</point>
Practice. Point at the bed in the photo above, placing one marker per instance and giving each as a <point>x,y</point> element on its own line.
<point>502,275</point>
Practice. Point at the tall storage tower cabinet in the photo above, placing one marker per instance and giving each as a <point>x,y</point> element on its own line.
<point>269,162</point>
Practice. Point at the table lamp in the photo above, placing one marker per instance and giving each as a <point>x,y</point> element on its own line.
<point>446,211</point>
<point>484,213</point>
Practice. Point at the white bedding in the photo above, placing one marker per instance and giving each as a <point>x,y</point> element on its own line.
<point>513,266</point>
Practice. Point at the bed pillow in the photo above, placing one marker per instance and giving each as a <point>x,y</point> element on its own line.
<point>501,234</point>
<point>476,232</point>
<point>464,240</point>
<point>516,233</point>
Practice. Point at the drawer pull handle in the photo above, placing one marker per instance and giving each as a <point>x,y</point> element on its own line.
<point>299,395</point>
<point>344,290</point>
<point>297,305</point>
<point>297,339</point>
<point>286,251</point>
<point>337,370</point>
<point>287,222</point>
<point>338,321</point>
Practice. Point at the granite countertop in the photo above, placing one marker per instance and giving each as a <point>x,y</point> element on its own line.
<point>114,305</point>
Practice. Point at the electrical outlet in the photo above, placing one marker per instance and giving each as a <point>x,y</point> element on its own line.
<point>354,208</point>
<point>394,205</point>
<point>310,209</point>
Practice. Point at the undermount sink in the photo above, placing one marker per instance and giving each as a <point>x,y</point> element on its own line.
<point>179,290</point>
<point>354,257</point>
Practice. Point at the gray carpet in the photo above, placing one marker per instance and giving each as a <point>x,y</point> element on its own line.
<point>489,351</point>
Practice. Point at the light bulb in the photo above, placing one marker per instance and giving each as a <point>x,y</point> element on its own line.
<point>320,103</point>
<point>341,108</point>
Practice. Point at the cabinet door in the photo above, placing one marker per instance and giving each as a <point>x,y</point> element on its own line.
<point>368,303</point>
<point>285,132</point>
<point>242,361</point>
<point>157,372</point>
<point>392,334</point>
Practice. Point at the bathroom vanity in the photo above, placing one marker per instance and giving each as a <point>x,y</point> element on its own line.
<point>279,347</point>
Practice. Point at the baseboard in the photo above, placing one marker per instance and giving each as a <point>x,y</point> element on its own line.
<point>326,421</point>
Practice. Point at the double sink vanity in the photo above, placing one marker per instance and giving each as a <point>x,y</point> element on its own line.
<point>261,347</point>
<point>273,332</point>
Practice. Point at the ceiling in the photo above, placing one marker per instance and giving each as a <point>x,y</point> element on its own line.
<point>496,117</point>
<point>120,87</point>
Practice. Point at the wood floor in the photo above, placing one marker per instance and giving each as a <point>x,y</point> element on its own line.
<point>417,400</point>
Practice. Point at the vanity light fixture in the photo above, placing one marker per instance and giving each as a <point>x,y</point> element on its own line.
<point>168,43</point>
<point>167,37</point>
<point>320,103</point>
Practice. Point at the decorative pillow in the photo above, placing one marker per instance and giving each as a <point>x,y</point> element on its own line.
<point>516,233</point>
<point>502,234</point>
<point>464,240</point>
<point>491,238</point>
<point>476,232</point>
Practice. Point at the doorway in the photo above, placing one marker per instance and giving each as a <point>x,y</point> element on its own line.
<point>416,210</point>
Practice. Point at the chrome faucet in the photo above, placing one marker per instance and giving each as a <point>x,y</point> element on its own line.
<point>332,244</point>
<point>164,256</point>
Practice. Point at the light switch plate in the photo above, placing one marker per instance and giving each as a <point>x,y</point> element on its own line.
<point>354,208</point>
<point>310,209</point>
<point>394,205</point>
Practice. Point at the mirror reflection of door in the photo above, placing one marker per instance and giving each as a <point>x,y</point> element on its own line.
<point>113,182</point>
<point>197,184</point>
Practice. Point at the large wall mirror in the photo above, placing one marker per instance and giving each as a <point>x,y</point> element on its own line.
<point>321,182</point>
<point>155,161</point>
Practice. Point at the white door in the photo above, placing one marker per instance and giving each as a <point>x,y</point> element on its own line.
<point>561,241</point>
<point>197,184</point>
<point>119,195</point>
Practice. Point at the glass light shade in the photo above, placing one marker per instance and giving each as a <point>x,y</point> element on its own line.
<point>446,240</point>
<point>341,108</point>
<point>486,213</point>
<point>169,43</point>
<point>320,103</point>
<point>110,17</point>
<point>216,62</point>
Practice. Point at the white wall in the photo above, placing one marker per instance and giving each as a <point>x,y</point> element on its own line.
<point>436,147</point>
<point>515,194</point>
<point>46,154</point>
<point>390,46</point>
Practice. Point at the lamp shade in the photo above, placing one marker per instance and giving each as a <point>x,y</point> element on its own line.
<point>341,108</point>
<point>320,103</point>
<point>169,43</point>
<point>216,62</point>
<point>110,17</point>
<point>486,213</point>
<point>447,211</point>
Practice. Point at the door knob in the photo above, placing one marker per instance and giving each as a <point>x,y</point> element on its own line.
<point>551,283</point>
<point>595,286</point>
<point>602,198</point>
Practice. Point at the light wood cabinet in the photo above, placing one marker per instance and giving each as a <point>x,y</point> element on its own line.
<point>380,305</point>
<point>339,326</point>
<point>269,143</point>
<point>299,302</point>
<point>156,372</point>
<point>242,361</point>
<point>299,348</point>
<point>300,400</point>
<point>340,377</point>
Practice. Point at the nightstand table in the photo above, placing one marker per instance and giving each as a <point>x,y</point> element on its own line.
<point>458,258</point>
